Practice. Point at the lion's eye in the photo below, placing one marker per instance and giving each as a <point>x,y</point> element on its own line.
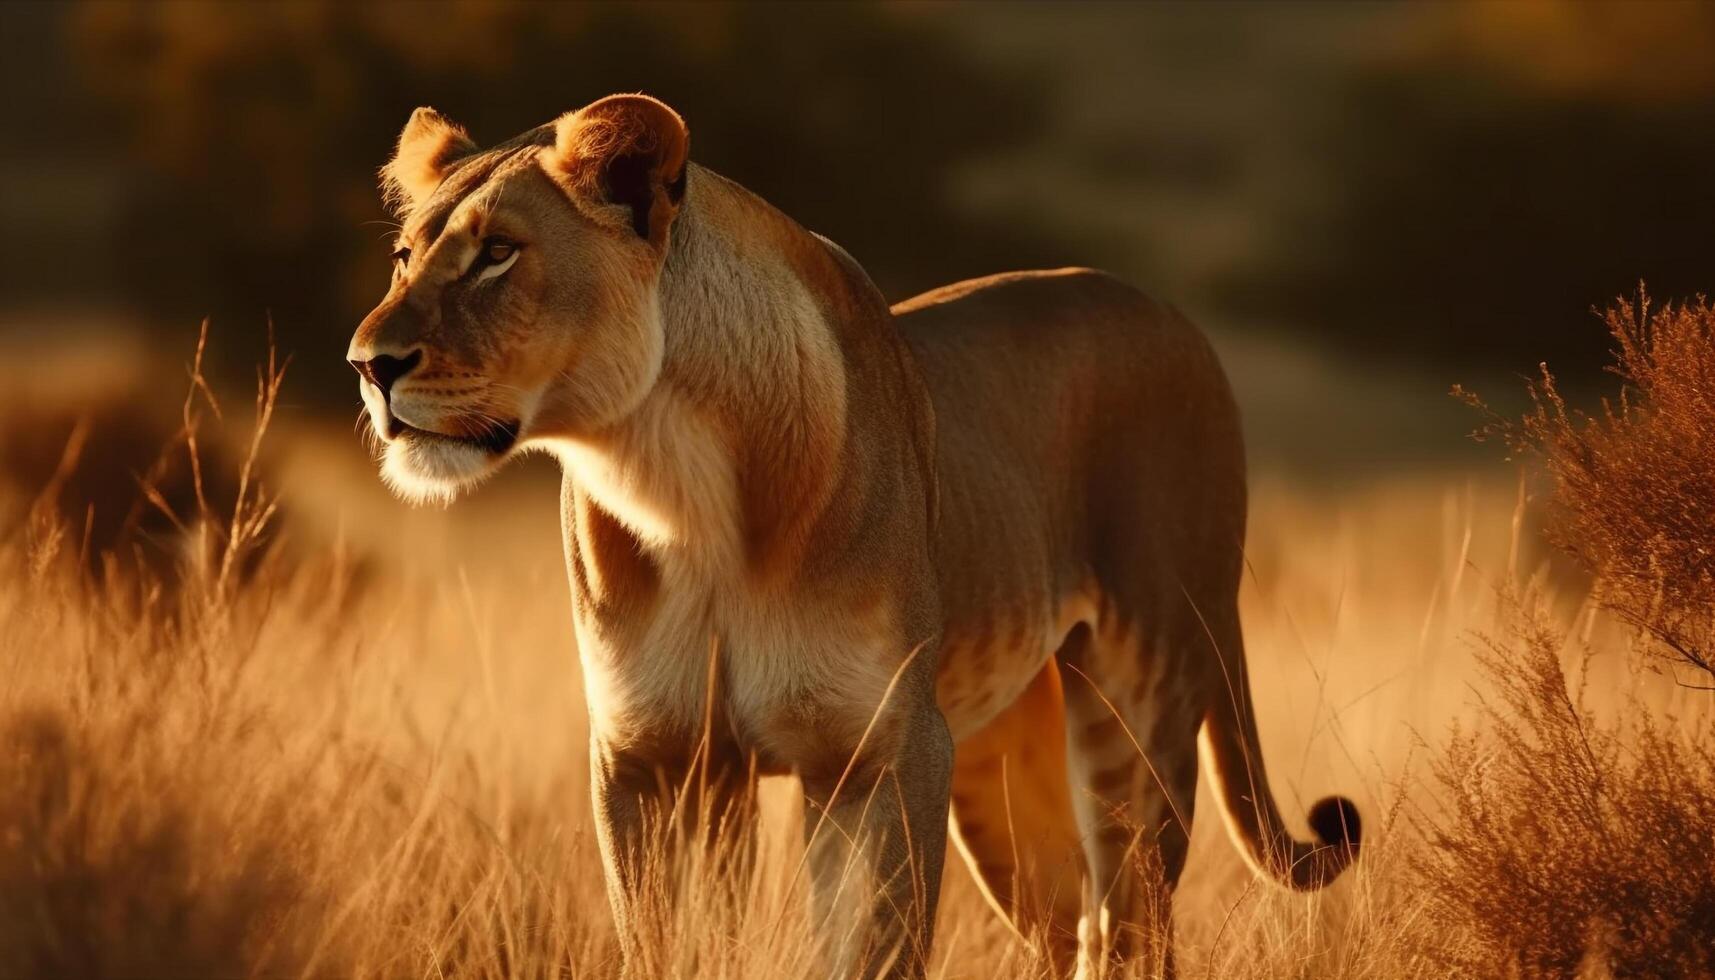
<point>496,257</point>
<point>401,257</point>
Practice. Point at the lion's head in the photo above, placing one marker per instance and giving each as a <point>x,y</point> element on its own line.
<point>523,302</point>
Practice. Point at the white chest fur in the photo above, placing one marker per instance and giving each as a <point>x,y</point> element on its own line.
<point>785,673</point>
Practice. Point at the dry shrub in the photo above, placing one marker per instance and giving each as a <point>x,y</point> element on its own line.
<point>1568,845</point>
<point>1634,485</point>
<point>1571,845</point>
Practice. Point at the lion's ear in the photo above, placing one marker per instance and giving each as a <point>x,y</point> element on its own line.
<point>428,147</point>
<point>625,150</point>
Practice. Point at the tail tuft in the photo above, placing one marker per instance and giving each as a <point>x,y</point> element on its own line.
<point>1336,823</point>
<point>1233,761</point>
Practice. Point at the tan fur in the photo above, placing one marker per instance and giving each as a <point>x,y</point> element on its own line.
<point>1009,512</point>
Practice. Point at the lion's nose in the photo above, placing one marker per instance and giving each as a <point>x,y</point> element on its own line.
<point>384,369</point>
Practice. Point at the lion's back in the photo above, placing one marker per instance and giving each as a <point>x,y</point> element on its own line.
<point>1034,362</point>
<point>1063,326</point>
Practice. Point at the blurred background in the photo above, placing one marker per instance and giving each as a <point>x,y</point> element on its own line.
<point>1364,203</point>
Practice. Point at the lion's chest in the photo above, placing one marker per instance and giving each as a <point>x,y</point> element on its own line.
<point>787,681</point>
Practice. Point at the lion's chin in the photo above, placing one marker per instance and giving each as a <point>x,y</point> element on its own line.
<point>423,469</point>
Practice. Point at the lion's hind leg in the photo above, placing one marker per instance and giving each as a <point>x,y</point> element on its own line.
<point>1133,707</point>
<point>1013,819</point>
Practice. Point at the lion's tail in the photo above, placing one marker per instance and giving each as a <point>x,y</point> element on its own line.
<point>1233,763</point>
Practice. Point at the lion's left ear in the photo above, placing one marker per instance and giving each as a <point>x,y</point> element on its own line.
<point>626,150</point>
<point>428,147</point>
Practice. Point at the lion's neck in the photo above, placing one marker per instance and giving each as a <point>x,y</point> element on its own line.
<point>745,307</point>
<point>737,449</point>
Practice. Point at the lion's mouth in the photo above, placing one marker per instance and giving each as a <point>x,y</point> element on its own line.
<point>494,437</point>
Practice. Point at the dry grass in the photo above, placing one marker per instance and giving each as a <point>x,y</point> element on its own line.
<point>366,757</point>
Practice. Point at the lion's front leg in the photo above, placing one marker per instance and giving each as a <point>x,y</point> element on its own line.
<point>657,820</point>
<point>623,787</point>
<point>876,842</point>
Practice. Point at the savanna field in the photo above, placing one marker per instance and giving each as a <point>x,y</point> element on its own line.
<point>260,719</point>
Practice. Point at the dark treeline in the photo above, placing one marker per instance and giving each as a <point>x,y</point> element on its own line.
<point>177,160</point>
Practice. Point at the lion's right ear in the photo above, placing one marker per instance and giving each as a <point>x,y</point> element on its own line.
<point>428,147</point>
<point>624,155</point>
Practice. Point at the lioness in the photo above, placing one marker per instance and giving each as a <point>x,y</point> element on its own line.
<point>1005,516</point>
